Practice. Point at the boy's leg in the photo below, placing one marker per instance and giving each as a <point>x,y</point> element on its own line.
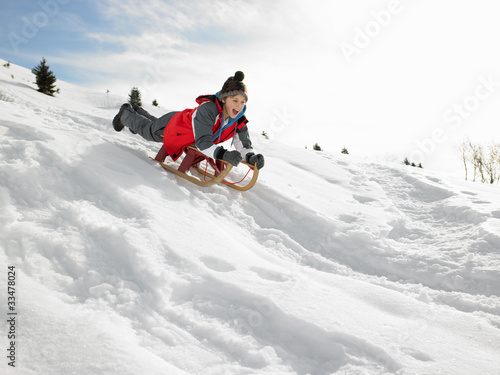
<point>145,113</point>
<point>145,127</point>
<point>158,126</point>
<point>142,123</point>
<point>117,124</point>
<point>141,111</point>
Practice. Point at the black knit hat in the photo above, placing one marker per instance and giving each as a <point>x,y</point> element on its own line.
<point>234,86</point>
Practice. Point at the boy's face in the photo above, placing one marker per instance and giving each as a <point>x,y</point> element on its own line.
<point>233,105</point>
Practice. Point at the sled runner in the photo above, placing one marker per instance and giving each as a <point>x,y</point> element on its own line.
<point>211,171</point>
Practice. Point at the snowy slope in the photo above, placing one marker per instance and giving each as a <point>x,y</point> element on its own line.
<point>331,264</point>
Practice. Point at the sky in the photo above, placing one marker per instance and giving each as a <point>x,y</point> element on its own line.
<point>385,79</point>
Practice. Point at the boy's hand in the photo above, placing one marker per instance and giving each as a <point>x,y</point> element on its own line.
<point>232,157</point>
<point>255,159</point>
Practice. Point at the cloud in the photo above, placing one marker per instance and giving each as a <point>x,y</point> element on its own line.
<point>194,44</point>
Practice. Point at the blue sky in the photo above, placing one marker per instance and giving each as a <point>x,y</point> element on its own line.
<point>386,79</point>
<point>30,30</point>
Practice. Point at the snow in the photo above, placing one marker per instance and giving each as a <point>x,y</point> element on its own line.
<point>331,264</point>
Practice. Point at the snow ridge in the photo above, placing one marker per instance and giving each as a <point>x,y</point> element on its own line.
<point>331,264</point>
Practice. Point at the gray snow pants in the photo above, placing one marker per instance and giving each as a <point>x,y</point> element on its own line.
<point>145,124</point>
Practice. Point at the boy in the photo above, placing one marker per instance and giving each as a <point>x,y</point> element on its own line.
<point>217,118</point>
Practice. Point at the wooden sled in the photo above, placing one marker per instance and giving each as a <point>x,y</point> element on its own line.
<point>219,169</point>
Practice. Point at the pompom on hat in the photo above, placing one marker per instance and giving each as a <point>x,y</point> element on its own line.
<point>234,86</point>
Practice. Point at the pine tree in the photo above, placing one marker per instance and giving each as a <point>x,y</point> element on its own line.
<point>344,151</point>
<point>264,134</point>
<point>134,98</point>
<point>316,147</point>
<point>45,78</point>
<point>155,103</point>
<point>412,164</point>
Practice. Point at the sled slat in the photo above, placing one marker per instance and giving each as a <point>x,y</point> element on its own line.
<point>195,180</point>
<point>192,159</point>
<point>249,185</point>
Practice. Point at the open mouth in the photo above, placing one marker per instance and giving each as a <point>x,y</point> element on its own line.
<point>235,112</point>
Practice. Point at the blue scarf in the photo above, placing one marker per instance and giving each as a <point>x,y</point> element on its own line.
<point>230,123</point>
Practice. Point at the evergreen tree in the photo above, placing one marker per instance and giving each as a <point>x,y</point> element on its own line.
<point>264,134</point>
<point>412,164</point>
<point>155,103</point>
<point>316,147</point>
<point>45,78</point>
<point>344,151</point>
<point>134,98</point>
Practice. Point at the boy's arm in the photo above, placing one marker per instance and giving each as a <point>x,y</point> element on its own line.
<point>204,119</point>
<point>242,142</point>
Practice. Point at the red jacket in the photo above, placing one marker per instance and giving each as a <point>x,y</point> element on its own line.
<point>179,130</point>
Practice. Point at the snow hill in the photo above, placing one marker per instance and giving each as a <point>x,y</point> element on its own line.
<point>331,264</point>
